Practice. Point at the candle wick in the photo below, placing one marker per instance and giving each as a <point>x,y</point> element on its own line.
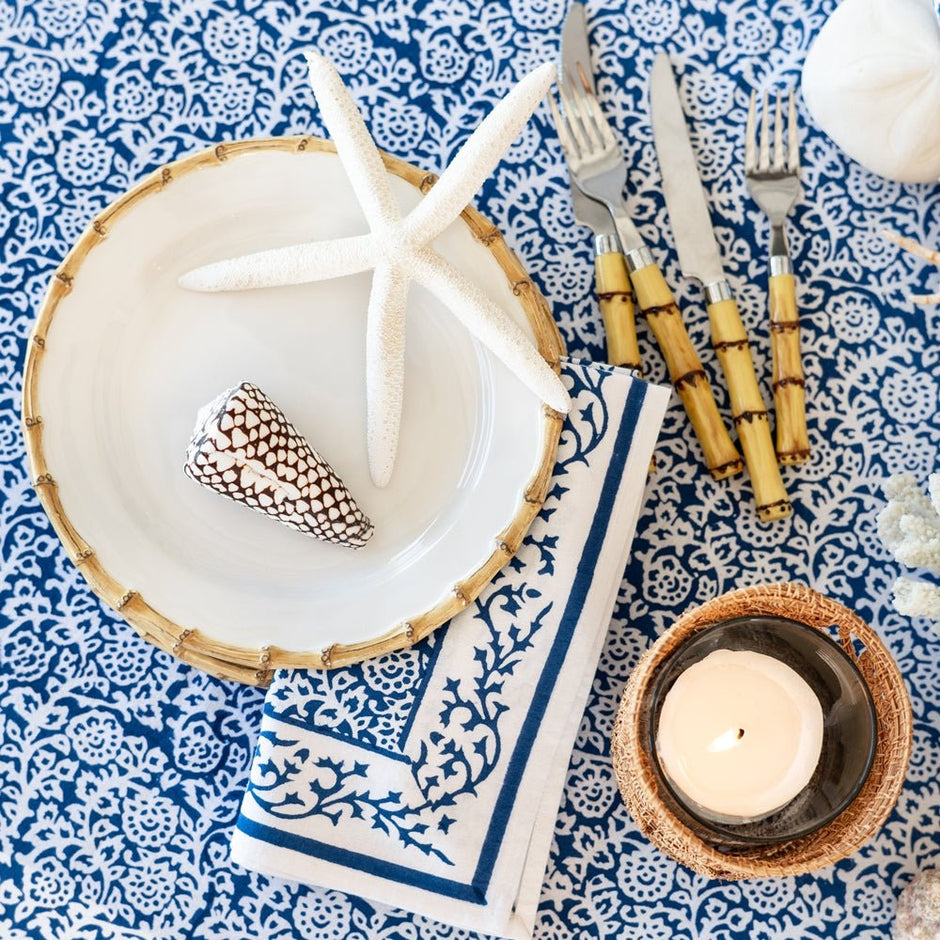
<point>727,740</point>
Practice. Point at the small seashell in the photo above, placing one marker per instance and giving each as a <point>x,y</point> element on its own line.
<point>263,463</point>
<point>918,913</point>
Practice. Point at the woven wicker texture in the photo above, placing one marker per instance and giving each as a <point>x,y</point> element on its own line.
<point>848,831</point>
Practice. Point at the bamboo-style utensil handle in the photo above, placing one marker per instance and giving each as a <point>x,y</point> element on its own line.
<point>788,381</point>
<point>685,370</point>
<point>615,297</point>
<point>748,409</point>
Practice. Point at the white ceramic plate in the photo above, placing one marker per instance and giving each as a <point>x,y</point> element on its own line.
<point>125,359</point>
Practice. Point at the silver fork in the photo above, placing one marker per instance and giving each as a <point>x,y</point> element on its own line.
<point>774,180</point>
<point>598,169</point>
<point>595,160</point>
<point>772,170</point>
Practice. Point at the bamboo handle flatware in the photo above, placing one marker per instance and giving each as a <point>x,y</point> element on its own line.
<point>615,298</point>
<point>599,172</point>
<point>688,377</point>
<point>789,384</point>
<point>748,410</point>
<point>772,170</point>
<point>699,257</point>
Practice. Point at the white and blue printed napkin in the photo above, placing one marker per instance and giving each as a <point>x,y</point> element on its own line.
<point>429,779</point>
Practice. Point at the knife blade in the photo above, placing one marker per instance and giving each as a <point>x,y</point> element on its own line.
<point>612,282</point>
<point>575,45</point>
<point>685,198</point>
<point>699,257</point>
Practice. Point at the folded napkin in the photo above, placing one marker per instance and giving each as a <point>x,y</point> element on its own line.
<point>429,779</point>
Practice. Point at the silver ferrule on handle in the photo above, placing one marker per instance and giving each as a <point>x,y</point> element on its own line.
<point>780,264</point>
<point>717,291</point>
<point>606,244</point>
<point>637,259</point>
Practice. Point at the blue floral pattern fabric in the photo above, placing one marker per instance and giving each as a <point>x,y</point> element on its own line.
<point>122,770</point>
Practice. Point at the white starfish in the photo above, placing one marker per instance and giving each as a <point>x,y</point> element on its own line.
<point>400,250</point>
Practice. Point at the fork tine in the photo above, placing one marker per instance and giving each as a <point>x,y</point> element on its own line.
<point>778,133</point>
<point>764,159</point>
<point>587,113</point>
<point>750,136</point>
<point>603,125</point>
<point>561,125</point>
<point>793,160</point>
<point>594,108</point>
<point>573,116</point>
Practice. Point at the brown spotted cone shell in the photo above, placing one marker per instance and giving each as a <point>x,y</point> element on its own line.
<point>244,448</point>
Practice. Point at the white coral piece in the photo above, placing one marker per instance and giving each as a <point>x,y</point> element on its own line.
<point>917,598</point>
<point>933,488</point>
<point>904,496</point>
<point>920,547</point>
<point>918,912</point>
<point>910,527</point>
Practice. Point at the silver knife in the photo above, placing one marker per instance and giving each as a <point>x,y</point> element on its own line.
<point>575,48</point>
<point>699,258</point>
<point>612,282</point>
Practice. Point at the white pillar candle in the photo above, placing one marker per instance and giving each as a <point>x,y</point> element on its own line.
<point>740,734</point>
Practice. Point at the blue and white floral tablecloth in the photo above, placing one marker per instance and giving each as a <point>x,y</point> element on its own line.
<point>121,770</point>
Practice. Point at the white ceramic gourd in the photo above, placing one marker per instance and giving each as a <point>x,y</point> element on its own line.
<point>872,82</point>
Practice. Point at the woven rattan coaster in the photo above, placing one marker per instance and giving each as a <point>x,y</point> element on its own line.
<point>640,787</point>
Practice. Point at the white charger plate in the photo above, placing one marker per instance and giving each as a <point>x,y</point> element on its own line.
<point>122,359</point>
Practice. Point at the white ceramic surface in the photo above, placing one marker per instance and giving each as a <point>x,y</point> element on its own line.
<point>131,357</point>
<point>871,81</point>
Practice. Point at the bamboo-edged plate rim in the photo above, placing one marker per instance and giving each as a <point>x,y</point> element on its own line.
<point>254,666</point>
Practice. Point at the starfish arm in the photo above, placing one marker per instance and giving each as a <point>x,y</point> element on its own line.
<point>385,368</point>
<point>296,264</point>
<point>492,326</point>
<point>473,165</point>
<point>354,143</point>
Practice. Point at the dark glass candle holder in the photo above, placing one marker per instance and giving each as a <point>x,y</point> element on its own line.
<point>849,728</point>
